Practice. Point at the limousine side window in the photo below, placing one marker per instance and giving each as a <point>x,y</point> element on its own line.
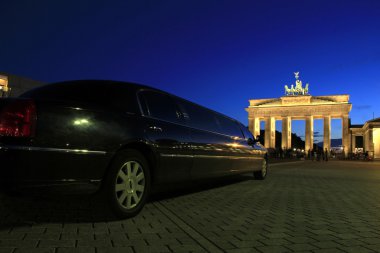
<point>159,106</point>
<point>229,127</point>
<point>198,117</point>
<point>202,118</point>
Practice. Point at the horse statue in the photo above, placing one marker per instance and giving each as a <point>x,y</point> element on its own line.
<point>306,89</point>
<point>287,90</point>
<point>298,89</point>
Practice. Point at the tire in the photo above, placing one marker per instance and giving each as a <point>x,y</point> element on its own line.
<point>127,184</point>
<point>261,174</point>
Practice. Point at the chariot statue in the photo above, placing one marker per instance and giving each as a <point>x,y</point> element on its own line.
<point>298,89</point>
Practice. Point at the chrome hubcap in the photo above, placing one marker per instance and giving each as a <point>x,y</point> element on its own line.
<point>130,184</point>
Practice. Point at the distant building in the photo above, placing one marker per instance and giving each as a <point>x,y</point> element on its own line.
<point>368,135</point>
<point>13,86</point>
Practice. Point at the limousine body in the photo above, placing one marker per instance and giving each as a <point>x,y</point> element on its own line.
<point>118,139</point>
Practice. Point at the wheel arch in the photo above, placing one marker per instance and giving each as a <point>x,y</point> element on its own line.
<point>144,149</point>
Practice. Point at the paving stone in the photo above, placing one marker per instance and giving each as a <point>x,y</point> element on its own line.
<point>76,250</point>
<point>36,250</point>
<point>244,250</point>
<point>18,243</point>
<point>151,249</point>
<point>374,247</point>
<point>275,242</point>
<point>321,238</point>
<point>272,249</point>
<point>371,241</point>
<point>358,249</point>
<point>13,236</point>
<point>51,236</point>
<point>57,243</point>
<point>300,239</point>
<point>349,242</point>
<point>127,243</point>
<point>246,244</point>
<point>115,250</point>
<point>76,237</point>
<point>300,247</point>
<point>326,244</point>
<point>330,250</point>
<point>274,235</point>
<point>7,250</point>
<point>169,241</point>
<point>94,243</point>
<point>367,234</point>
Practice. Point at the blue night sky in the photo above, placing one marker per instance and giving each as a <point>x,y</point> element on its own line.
<point>219,53</point>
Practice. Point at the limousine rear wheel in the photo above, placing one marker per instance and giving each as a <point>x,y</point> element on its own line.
<point>262,173</point>
<point>127,184</point>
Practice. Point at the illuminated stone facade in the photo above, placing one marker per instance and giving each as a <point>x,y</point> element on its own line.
<point>304,107</point>
<point>370,132</point>
<point>298,104</point>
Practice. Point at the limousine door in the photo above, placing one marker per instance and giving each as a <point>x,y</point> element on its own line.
<point>211,149</point>
<point>169,138</point>
<point>212,155</point>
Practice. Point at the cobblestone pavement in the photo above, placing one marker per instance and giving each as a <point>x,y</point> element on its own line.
<point>301,207</point>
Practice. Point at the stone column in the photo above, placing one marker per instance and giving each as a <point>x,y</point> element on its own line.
<point>255,130</point>
<point>250,124</point>
<point>286,141</point>
<point>270,129</point>
<point>353,143</point>
<point>309,133</point>
<point>327,133</point>
<point>369,145</point>
<point>345,135</point>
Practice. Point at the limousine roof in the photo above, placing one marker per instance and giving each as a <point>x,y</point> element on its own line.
<point>101,86</point>
<point>95,84</point>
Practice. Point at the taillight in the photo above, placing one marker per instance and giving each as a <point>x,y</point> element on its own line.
<point>18,119</point>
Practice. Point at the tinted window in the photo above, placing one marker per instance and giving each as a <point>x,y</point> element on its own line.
<point>103,93</point>
<point>158,105</point>
<point>198,117</point>
<point>229,127</point>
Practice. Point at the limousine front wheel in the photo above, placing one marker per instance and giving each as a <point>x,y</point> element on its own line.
<point>127,184</point>
<point>262,173</point>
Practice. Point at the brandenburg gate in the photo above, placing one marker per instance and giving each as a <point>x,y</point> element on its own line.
<point>298,104</point>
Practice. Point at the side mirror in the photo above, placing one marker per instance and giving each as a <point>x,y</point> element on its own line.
<point>250,141</point>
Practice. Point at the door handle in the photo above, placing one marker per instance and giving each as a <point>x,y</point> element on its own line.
<point>156,129</point>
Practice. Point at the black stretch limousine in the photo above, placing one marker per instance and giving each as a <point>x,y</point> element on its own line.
<point>118,139</point>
